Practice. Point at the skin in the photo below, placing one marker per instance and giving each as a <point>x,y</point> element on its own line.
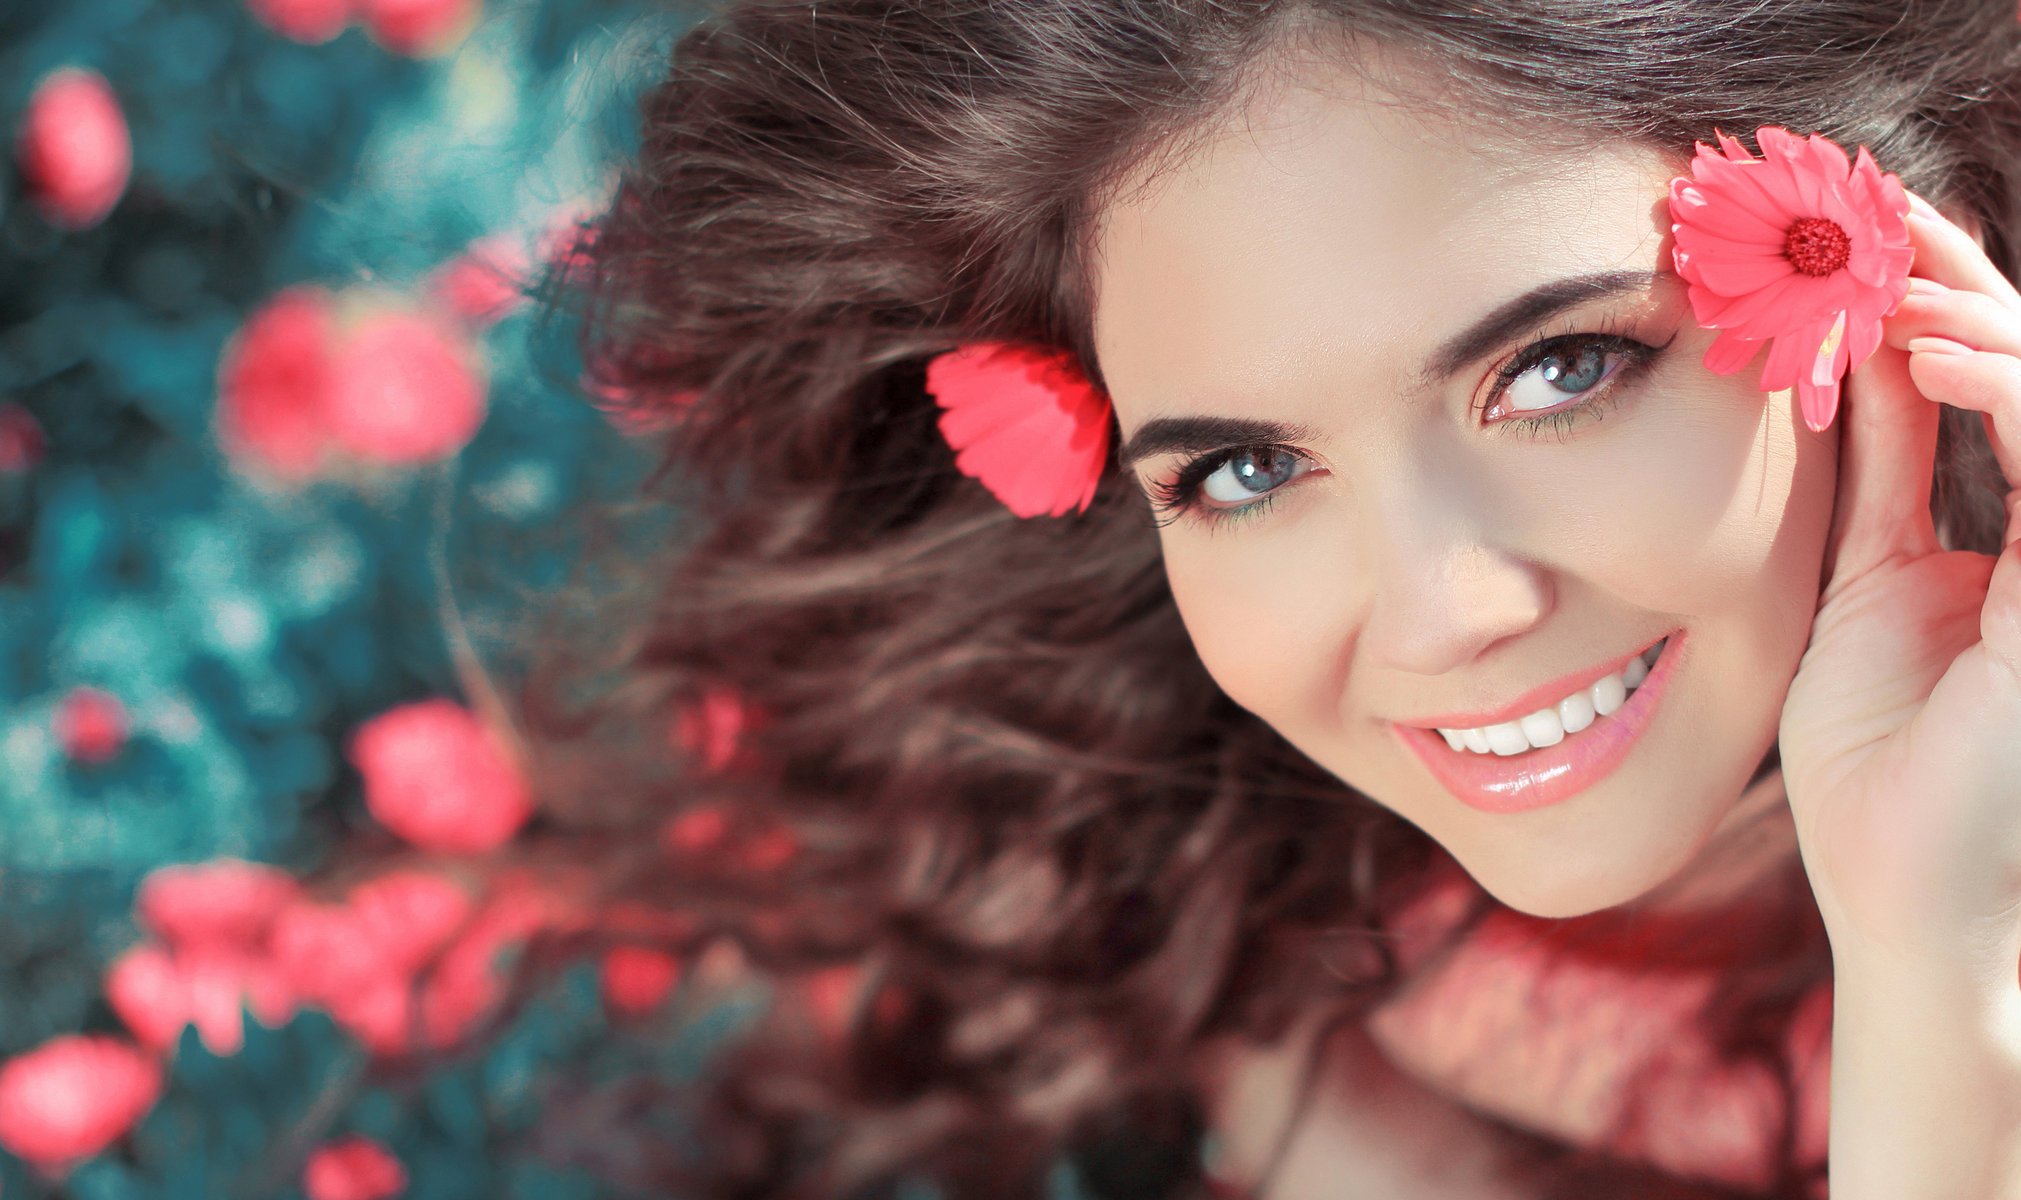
<point>1297,265</point>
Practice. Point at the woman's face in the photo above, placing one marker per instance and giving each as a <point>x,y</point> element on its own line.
<point>1304,324</point>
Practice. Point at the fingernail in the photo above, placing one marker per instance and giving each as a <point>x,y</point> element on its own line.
<point>1919,286</point>
<point>1937,345</point>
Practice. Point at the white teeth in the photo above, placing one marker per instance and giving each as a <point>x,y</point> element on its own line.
<point>1507,738</point>
<point>1575,711</point>
<point>1549,726</point>
<point>1543,728</point>
<point>1609,694</point>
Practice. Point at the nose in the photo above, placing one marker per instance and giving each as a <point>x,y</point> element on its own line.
<point>1448,587</point>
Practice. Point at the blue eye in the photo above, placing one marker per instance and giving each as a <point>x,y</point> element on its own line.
<point>1564,367</point>
<point>1248,473</point>
<point>1239,481</point>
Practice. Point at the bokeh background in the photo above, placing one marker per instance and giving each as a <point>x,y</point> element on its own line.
<point>287,450</point>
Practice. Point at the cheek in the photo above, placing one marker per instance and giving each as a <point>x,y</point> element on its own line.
<point>1709,499</point>
<point>1262,605</point>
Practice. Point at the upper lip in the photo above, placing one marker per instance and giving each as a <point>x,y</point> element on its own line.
<point>1541,696</point>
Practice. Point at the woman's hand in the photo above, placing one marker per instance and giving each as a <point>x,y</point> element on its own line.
<point>1901,733</point>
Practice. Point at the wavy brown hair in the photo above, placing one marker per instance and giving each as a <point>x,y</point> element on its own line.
<point>985,768</point>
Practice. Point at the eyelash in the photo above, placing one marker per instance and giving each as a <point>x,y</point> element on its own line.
<point>1180,498</point>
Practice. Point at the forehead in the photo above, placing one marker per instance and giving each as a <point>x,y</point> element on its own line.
<point>1325,222</point>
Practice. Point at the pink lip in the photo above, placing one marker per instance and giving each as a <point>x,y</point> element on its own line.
<point>1530,701</point>
<point>1535,778</point>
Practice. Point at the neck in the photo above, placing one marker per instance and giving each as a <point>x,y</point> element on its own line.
<point>1752,843</point>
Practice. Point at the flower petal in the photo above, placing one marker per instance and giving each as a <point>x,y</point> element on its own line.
<point>1730,352</point>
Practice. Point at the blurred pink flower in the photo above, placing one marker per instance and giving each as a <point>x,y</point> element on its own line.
<point>638,414</point>
<point>215,919</point>
<point>405,388</point>
<point>73,1096</point>
<point>485,283</point>
<point>157,990</point>
<point>409,959</point>
<point>439,777</point>
<point>22,443</point>
<point>310,21</point>
<point>274,383</point>
<point>223,900</point>
<point>418,28</point>
<point>149,994</point>
<point>635,979</point>
<point>353,1168</point>
<point>696,830</point>
<point>1801,250</point>
<point>713,727</point>
<point>90,724</point>
<point>74,148</point>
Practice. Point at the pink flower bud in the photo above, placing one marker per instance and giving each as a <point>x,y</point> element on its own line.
<point>635,979</point>
<point>312,22</point>
<point>73,1096</point>
<point>90,724</point>
<point>353,1168</point>
<point>74,148</point>
<point>696,831</point>
<point>418,28</point>
<point>438,777</point>
<point>405,388</point>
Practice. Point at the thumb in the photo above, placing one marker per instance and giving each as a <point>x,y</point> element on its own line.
<point>1887,456</point>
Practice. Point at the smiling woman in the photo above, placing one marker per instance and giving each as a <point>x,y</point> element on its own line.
<point>1447,558</point>
<point>1397,723</point>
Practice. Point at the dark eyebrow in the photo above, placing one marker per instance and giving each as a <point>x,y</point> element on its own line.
<point>1520,315</point>
<point>1193,435</point>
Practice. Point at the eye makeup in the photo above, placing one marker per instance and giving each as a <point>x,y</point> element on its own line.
<point>1181,496</point>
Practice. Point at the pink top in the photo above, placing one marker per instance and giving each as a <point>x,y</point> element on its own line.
<point>1568,1027</point>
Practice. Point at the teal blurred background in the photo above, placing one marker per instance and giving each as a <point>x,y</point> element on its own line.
<point>245,625</point>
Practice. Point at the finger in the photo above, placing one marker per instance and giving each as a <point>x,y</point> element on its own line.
<point>1983,382</point>
<point>1952,257</point>
<point>1887,453</point>
<point>1971,318</point>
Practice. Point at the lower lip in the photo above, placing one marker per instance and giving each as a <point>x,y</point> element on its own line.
<point>1495,783</point>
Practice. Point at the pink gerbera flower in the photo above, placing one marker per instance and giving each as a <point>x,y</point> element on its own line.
<point>1800,249</point>
<point>1024,422</point>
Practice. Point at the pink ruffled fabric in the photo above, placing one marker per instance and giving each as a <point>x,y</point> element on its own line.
<point>1801,249</point>
<point>1025,423</point>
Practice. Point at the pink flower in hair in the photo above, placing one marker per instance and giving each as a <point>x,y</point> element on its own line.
<point>1800,249</point>
<point>1024,422</point>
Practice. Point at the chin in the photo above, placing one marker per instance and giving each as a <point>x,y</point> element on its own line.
<point>1613,871</point>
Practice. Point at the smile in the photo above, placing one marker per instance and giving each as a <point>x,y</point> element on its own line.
<point>1556,750</point>
<point>1552,723</point>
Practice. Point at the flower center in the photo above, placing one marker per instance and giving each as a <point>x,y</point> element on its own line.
<point>1817,246</point>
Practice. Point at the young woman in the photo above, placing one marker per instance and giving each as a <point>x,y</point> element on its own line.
<point>1435,702</point>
